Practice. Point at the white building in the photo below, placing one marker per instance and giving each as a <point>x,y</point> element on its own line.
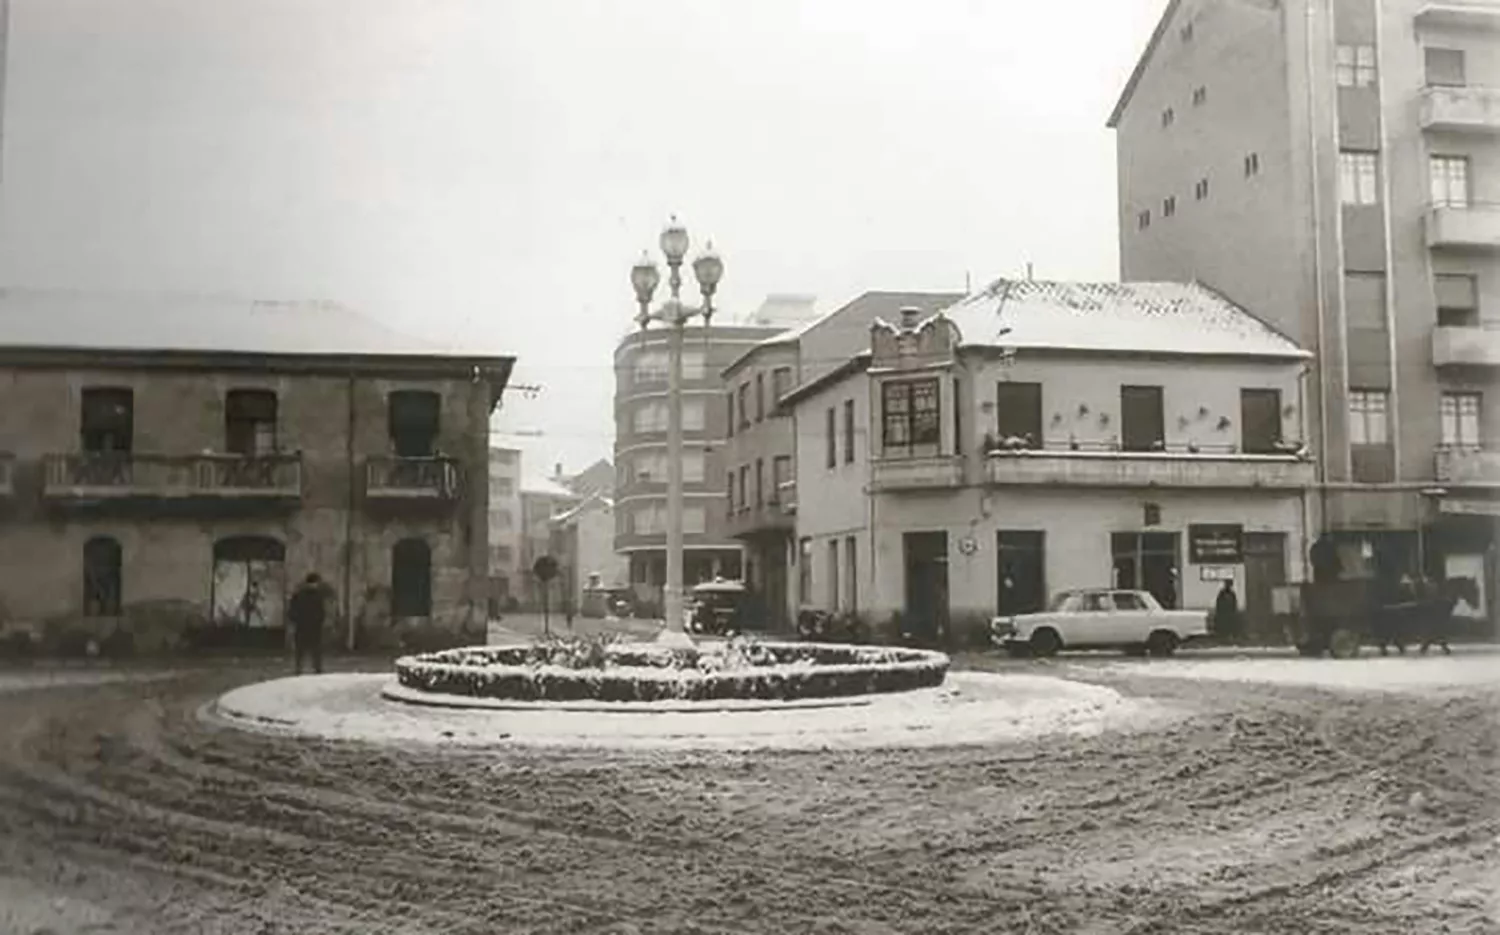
<point>505,531</point>
<point>1039,436</point>
<point>583,542</point>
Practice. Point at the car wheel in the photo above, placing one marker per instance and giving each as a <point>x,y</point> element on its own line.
<point>1161,643</point>
<point>1045,643</point>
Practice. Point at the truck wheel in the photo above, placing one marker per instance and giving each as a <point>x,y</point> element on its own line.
<point>1161,643</point>
<point>1045,643</point>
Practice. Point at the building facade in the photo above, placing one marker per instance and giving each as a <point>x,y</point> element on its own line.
<point>1043,436</point>
<point>507,578</point>
<point>583,542</point>
<point>641,454</point>
<point>174,465</point>
<point>542,500</point>
<point>760,439</point>
<point>1334,167</point>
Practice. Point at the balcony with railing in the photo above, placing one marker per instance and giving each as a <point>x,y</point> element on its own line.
<point>1467,466</point>
<point>786,496</point>
<point>1466,345</point>
<point>1186,466</point>
<point>7,475</point>
<point>1477,15</point>
<point>125,476</point>
<point>389,478</point>
<point>1461,109</point>
<point>933,472</point>
<point>1470,224</point>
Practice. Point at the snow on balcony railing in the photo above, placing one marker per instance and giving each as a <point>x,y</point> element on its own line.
<point>1178,465</point>
<point>388,477</point>
<point>1467,465</point>
<point>122,474</point>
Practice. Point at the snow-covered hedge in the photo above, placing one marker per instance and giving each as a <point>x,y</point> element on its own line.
<point>611,671</point>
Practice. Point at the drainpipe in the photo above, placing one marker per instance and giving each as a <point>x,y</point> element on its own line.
<point>349,507</point>
<point>1306,505</point>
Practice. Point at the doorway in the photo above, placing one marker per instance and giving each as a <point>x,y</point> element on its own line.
<point>1265,570</point>
<point>1020,559</point>
<point>249,583</point>
<point>926,561</point>
<point>1147,561</point>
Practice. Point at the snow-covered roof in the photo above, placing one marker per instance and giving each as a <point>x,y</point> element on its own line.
<point>545,486</point>
<point>124,321</point>
<point>1128,317</point>
<point>588,503</point>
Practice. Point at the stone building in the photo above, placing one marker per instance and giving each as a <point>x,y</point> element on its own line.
<point>174,464</point>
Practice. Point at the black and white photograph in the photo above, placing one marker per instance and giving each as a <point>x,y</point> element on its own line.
<point>749,467</point>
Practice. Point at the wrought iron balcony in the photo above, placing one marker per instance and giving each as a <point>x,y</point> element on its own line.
<point>1466,346</point>
<point>1464,466</point>
<point>120,476</point>
<point>1184,468</point>
<point>1472,225</point>
<point>934,472</point>
<point>393,478</point>
<point>1459,109</point>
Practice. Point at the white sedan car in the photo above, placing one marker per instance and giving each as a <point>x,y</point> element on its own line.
<point>1101,618</point>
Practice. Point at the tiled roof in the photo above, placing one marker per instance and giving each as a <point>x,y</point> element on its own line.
<point>1139,317</point>
<point>65,319</point>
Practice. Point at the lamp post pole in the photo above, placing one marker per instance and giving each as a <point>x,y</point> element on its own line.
<point>708,269</point>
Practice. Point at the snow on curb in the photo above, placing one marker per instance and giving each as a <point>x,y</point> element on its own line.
<point>61,678</point>
<point>1412,674</point>
<point>970,708</point>
<point>395,691</point>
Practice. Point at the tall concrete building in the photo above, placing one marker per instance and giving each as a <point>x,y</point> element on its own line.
<point>641,453</point>
<point>1333,166</point>
<point>507,574</point>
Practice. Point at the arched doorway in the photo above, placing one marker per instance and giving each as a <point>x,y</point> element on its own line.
<point>249,582</point>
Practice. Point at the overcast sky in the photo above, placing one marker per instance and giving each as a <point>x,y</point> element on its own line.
<point>484,172</point>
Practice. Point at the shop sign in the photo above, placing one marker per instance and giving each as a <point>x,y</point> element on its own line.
<point>1216,573</point>
<point>1216,544</point>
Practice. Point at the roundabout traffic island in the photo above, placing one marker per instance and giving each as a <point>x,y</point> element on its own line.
<point>613,673</point>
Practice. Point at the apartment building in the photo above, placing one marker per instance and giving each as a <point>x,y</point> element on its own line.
<point>1040,436</point>
<point>583,542</point>
<point>543,498</point>
<point>1334,167</point>
<point>507,574</point>
<point>641,453</point>
<point>172,465</point>
<point>760,442</point>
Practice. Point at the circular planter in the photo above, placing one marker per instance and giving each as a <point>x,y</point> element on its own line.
<point>623,672</point>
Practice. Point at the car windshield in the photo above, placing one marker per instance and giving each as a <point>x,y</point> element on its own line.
<point>1065,602</point>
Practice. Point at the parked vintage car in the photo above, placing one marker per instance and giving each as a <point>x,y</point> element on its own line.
<point>1101,618</point>
<point>718,608</point>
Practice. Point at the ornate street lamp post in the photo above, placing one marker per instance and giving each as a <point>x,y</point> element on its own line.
<point>707,269</point>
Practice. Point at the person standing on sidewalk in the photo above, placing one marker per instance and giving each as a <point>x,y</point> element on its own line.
<point>1227,614</point>
<point>307,611</point>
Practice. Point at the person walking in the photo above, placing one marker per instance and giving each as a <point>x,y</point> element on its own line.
<point>307,610</point>
<point>1227,613</point>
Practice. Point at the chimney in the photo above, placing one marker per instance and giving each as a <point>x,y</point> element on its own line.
<point>909,316</point>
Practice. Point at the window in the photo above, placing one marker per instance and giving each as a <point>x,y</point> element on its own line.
<point>650,520</point>
<point>1169,206</point>
<point>744,487</point>
<point>1142,425</point>
<point>651,367</point>
<point>414,422</point>
<point>1200,96</point>
<point>1445,67</point>
<point>830,439</point>
<point>1260,421</point>
<point>1368,417</point>
<point>102,578</point>
<point>1200,190</point>
<point>1358,178</point>
<point>760,397</point>
<point>1457,299</point>
<point>909,415</point>
<point>1018,414</point>
<point>694,365</point>
<point>804,572</point>
<point>1459,415</point>
<point>729,408</point>
<point>502,486</point>
<point>107,420</point>
<point>250,422</point>
<point>1128,600</point>
<point>1450,181</point>
<point>781,472</point>
<point>650,417</point>
<point>1146,561</point>
<point>651,468</point>
<point>503,519</point>
<point>833,574</point>
<point>851,559</point>
<point>1143,220</point>
<point>744,405</point>
<point>760,482</point>
<point>1355,66</point>
<point>1364,300</point>
<point>781,383</point>
<point>1167,117</point>
<point>694,522</point>
<point>958,426</point>
<point>411,579</point>
<point>729,492</point>
<point>1252,165</point>
<point>848,431</point>
<point>692,415</point>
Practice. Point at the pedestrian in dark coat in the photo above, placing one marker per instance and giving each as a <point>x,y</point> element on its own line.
<point>1227,612</point>
<point>307,611</point>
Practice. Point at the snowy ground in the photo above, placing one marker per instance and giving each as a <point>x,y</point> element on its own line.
<point>1463,671</point>
<point>32,680</point>
<point>969,708</point>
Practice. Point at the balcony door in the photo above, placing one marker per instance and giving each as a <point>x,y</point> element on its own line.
<point>1142,422</point>
<point>415,420</point>
<point>249,583</point>
<point>107,420</point>
<point>1260,421</point>
<point>250,422</point>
